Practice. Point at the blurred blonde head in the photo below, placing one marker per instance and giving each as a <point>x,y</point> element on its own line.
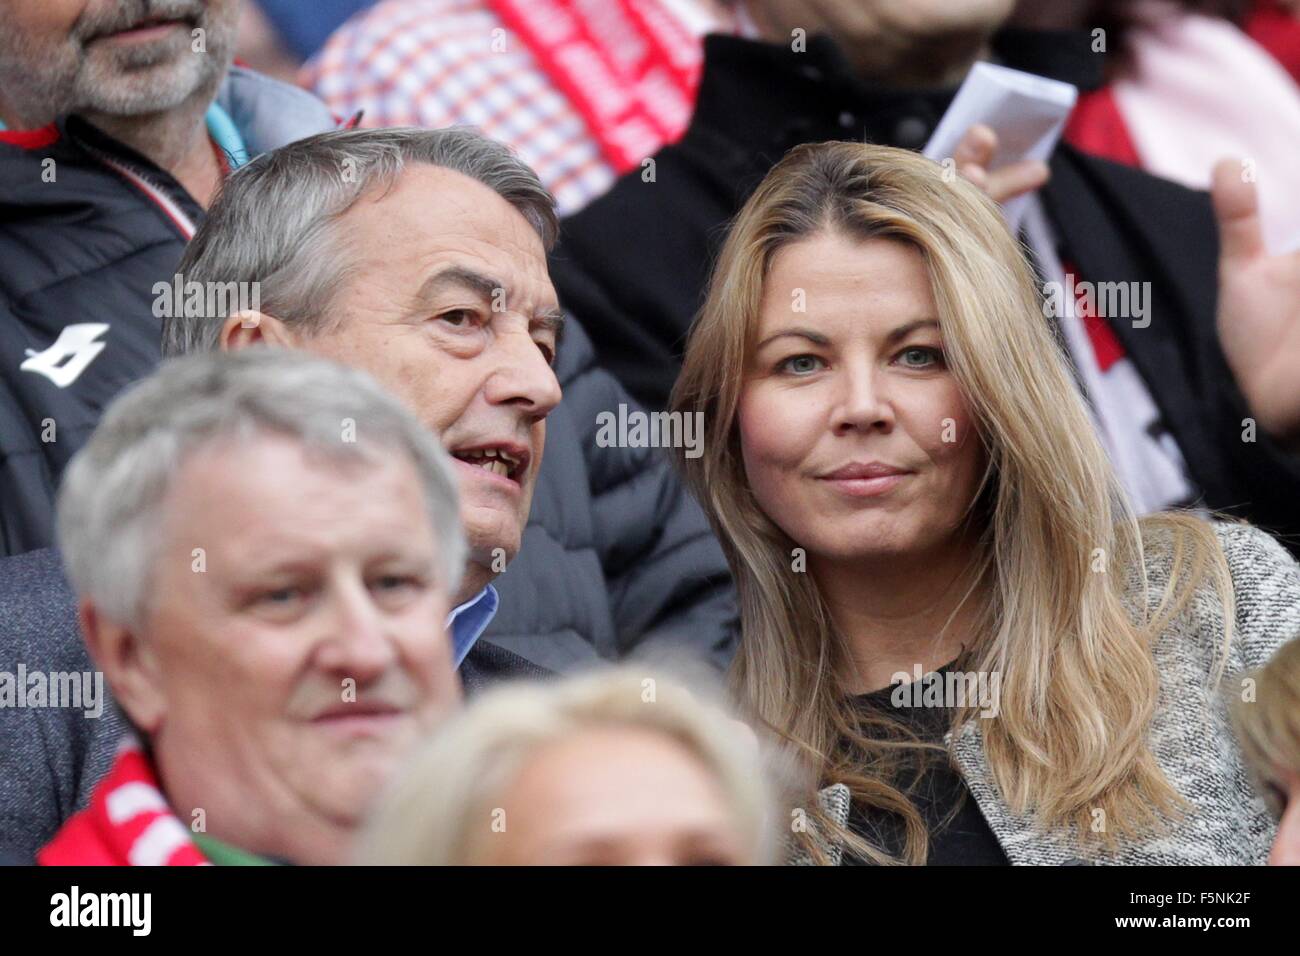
<point>1079,685</point>
<point>454,806</point>
<point>1268,728</point>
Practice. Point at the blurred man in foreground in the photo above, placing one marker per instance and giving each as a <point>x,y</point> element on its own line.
<point>264,547</point>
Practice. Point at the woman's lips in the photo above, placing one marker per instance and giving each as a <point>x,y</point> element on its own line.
<point>865,479</point>
<point>866,487</point>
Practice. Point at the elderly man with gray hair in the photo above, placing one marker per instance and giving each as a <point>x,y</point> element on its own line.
<point>420,256</point>
<point>264,546</point>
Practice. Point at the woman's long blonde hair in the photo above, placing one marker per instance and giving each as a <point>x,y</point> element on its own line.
<point>1059,547</point>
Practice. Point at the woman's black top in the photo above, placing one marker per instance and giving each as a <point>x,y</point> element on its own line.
<point>966,839</point>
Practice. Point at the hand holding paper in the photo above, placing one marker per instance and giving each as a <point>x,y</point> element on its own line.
<point>1026,114</point>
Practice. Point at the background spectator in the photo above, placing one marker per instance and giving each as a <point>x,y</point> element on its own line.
<point>616,767</point>
<point>266,593</point>
<point>1268,725</point>
<point>584,91</point>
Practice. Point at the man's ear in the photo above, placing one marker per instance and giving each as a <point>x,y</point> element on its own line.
<point>246,328</point>
<point>129,666</point>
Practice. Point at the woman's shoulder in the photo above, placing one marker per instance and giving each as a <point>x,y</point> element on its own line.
<point>1263,576</point>
<point>835,802</point>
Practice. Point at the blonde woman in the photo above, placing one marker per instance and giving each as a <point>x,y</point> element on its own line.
<point>1268,726</point>
<point>615,767</point>
<point>908,485</point>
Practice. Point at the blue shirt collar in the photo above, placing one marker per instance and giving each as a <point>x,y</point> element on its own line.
<point>226,135</point>
<point>469,621</point>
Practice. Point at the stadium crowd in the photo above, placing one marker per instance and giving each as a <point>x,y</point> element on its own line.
<point>506,432</point>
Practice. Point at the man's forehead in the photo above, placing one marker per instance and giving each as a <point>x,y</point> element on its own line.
<point>437,200</point>
<point>278,480</point>
<point>433,217</point>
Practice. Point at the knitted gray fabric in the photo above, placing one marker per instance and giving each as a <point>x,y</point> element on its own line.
<point>1227,823</point>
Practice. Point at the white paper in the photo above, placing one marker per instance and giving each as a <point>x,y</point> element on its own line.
<point>1026,111</point>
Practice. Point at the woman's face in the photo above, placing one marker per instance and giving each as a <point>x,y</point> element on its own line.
<point>617,797</point>
<point>856,439</point>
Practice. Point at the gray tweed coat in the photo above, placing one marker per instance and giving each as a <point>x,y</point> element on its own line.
<point>1228,823</point>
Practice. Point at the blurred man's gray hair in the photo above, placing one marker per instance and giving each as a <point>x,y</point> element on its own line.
<point>274,221</point>
<point>114,488</point>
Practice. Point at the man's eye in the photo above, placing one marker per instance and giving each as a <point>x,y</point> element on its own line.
<point>920,357</point>
<point>800,364</point>
<point>280,597</point>
<point>394,582</point>
<point>458,318</point>
<point>548,351</point>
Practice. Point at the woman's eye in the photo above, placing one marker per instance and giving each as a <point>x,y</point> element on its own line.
<point>920,357</point>
<point>800,364</point>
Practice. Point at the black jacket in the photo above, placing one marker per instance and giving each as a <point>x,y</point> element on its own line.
<point>615,556</point>
<point>634,263</point>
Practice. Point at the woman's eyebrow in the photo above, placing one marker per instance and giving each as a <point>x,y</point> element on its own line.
<point>907,328</point>
<point>816,338</point>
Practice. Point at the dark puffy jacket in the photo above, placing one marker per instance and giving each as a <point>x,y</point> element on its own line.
<point>87,227</point>
<point>616,556</point>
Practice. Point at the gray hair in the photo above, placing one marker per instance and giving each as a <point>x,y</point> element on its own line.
<point>274,221</point>
<point>108,508</point>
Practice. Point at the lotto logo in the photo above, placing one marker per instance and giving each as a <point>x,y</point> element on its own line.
<point>64,361</point>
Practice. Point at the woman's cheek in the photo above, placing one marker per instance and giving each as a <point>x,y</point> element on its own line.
<point>774,438</point>
<point>949,438</point>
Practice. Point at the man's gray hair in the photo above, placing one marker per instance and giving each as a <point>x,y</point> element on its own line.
<point>273,222</point>
<point>113,490</point>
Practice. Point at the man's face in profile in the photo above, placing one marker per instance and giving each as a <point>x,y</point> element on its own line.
<point>119,58</point>
<point>450,306</point>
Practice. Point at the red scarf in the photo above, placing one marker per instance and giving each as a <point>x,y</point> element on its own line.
<point>128,823</point>
<point>628,66</point>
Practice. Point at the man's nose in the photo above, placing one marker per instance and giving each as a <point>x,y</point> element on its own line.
<point>357,642</point>
<point>521,376</point>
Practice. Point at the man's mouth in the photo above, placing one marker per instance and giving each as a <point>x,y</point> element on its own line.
<point>506,461</point>
<point>149,28</point>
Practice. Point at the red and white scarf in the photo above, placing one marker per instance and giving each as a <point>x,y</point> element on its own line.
<point>128,822</point>
<point>628,66</point>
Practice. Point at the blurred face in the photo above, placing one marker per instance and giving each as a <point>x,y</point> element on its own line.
<point>901,41</point>
<point>286,675</point>
<point>1286,846</point>
<point>616,797</point>
<point>856,439</point>
<point>115,57</point>
<point>452,308</point>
